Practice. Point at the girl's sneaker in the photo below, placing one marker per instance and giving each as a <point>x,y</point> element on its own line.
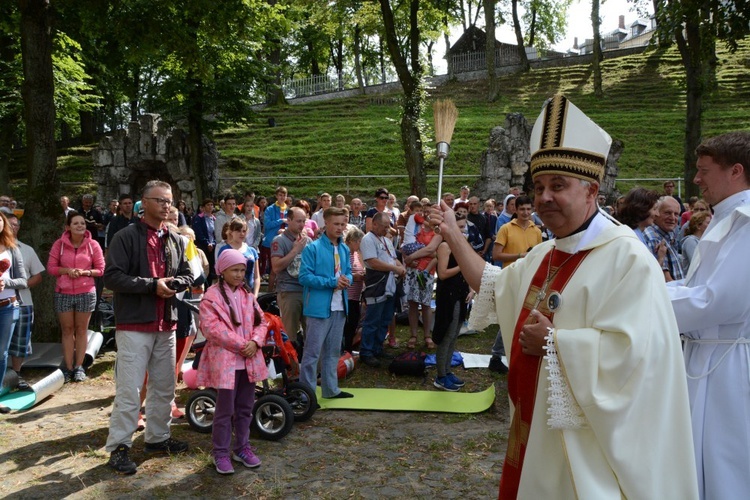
<point>456,381</point>
<point>223,465</point>
<point>246,457</point>
<point>445,384</point>
<point>79,375</point>
<point>68,374</point>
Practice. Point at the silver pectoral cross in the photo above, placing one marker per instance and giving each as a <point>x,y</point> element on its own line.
<point>541,296</point>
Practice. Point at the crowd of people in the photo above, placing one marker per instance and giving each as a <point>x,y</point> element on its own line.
<point>595,295</point>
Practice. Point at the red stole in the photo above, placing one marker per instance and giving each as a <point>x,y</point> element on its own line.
<point>524,371</point>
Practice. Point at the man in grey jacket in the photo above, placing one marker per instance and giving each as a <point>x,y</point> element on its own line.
<point>146,267</point>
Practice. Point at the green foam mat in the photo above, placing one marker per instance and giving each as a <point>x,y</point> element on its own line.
<point>400,400</point>
<point>18,400</point>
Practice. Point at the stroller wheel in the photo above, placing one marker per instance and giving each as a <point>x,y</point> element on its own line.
<point>273,417</point>
<point>200,410</point>
<point>303,401</point>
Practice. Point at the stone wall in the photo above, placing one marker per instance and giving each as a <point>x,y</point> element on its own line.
<point>505,163</point>
<point>126,160</point>
<point>506,160</point>
<point>611,170</point>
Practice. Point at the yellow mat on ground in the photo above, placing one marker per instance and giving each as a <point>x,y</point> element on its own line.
<point>400,400</point>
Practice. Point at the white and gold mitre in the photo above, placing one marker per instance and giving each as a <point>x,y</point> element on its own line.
<point>564,141</point>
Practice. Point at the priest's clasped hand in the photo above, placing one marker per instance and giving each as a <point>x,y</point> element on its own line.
<point>533,333</point>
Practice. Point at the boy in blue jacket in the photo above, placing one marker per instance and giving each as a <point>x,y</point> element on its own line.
<point>325,273</point>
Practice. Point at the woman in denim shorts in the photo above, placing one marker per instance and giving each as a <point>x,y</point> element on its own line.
<point>76,259</point>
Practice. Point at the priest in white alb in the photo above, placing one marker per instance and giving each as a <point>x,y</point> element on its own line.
<point>713,314</point>
<point>596,381</point>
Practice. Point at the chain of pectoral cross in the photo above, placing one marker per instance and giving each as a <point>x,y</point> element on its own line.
<point>543,291</point>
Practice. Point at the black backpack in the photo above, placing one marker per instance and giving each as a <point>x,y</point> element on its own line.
<point>408,363</point>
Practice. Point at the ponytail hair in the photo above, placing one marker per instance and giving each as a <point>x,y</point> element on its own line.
<point>232,312</point>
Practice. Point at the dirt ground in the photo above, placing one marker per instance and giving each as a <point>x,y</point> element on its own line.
<point>55,450</point>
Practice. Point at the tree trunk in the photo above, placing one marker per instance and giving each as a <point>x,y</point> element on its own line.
<point>42,223</point>
<point>8,127</point>
<point>64,133</point>
<point>358,58</point>
<point>524,61</point>
<point>532,28</point>
<point>195,140</point>
<point>411,138</point>
<point>12,116</point>
<point>489,21</point>
<point>314,66</point>
<point>381,55</point>
<point>86,119</point>
<point>476,16</point>
<point>337,56</point>
<point>135,83</point>
<point>446,26</point>
<point>660,12</point>
<point>275,94</point>
<point>430,64</point>
<point>598,57</point>
<point>691,53</point>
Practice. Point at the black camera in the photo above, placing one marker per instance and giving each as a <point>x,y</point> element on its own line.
<point>177,286</point>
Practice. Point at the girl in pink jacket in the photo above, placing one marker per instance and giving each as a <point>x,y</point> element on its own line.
<point>76,259</point>
<point>232,362</point>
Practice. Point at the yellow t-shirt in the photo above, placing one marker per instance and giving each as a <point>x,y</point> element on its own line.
<point>515,239</point>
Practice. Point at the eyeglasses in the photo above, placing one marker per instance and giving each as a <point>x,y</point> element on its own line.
<point>161,201</point>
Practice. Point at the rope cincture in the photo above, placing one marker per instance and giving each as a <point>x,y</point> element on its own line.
<point>734,343</point>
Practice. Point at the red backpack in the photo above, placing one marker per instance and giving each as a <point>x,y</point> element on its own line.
<point>286,349</point>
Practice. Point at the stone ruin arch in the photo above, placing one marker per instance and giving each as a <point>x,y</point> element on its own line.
<point>149,149</point>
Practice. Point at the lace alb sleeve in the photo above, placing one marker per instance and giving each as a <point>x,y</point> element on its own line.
<point>562,408</point>
<point>484,312</point>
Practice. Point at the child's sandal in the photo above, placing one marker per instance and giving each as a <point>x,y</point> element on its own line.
<point>412,342</point>
<point>429,343</point>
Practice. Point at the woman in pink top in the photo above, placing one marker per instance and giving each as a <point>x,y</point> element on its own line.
<point>353,238</point>
<point>76,259</point>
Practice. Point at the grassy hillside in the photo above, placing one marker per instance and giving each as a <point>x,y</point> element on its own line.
<point>644,106</point>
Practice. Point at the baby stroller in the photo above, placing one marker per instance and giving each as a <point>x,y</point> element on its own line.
<point>277,405</point>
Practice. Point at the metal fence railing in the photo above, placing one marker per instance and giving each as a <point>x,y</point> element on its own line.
<point>313,85</point>
<point>474,61</point>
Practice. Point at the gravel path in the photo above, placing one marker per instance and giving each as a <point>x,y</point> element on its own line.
<point>56,450</point>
